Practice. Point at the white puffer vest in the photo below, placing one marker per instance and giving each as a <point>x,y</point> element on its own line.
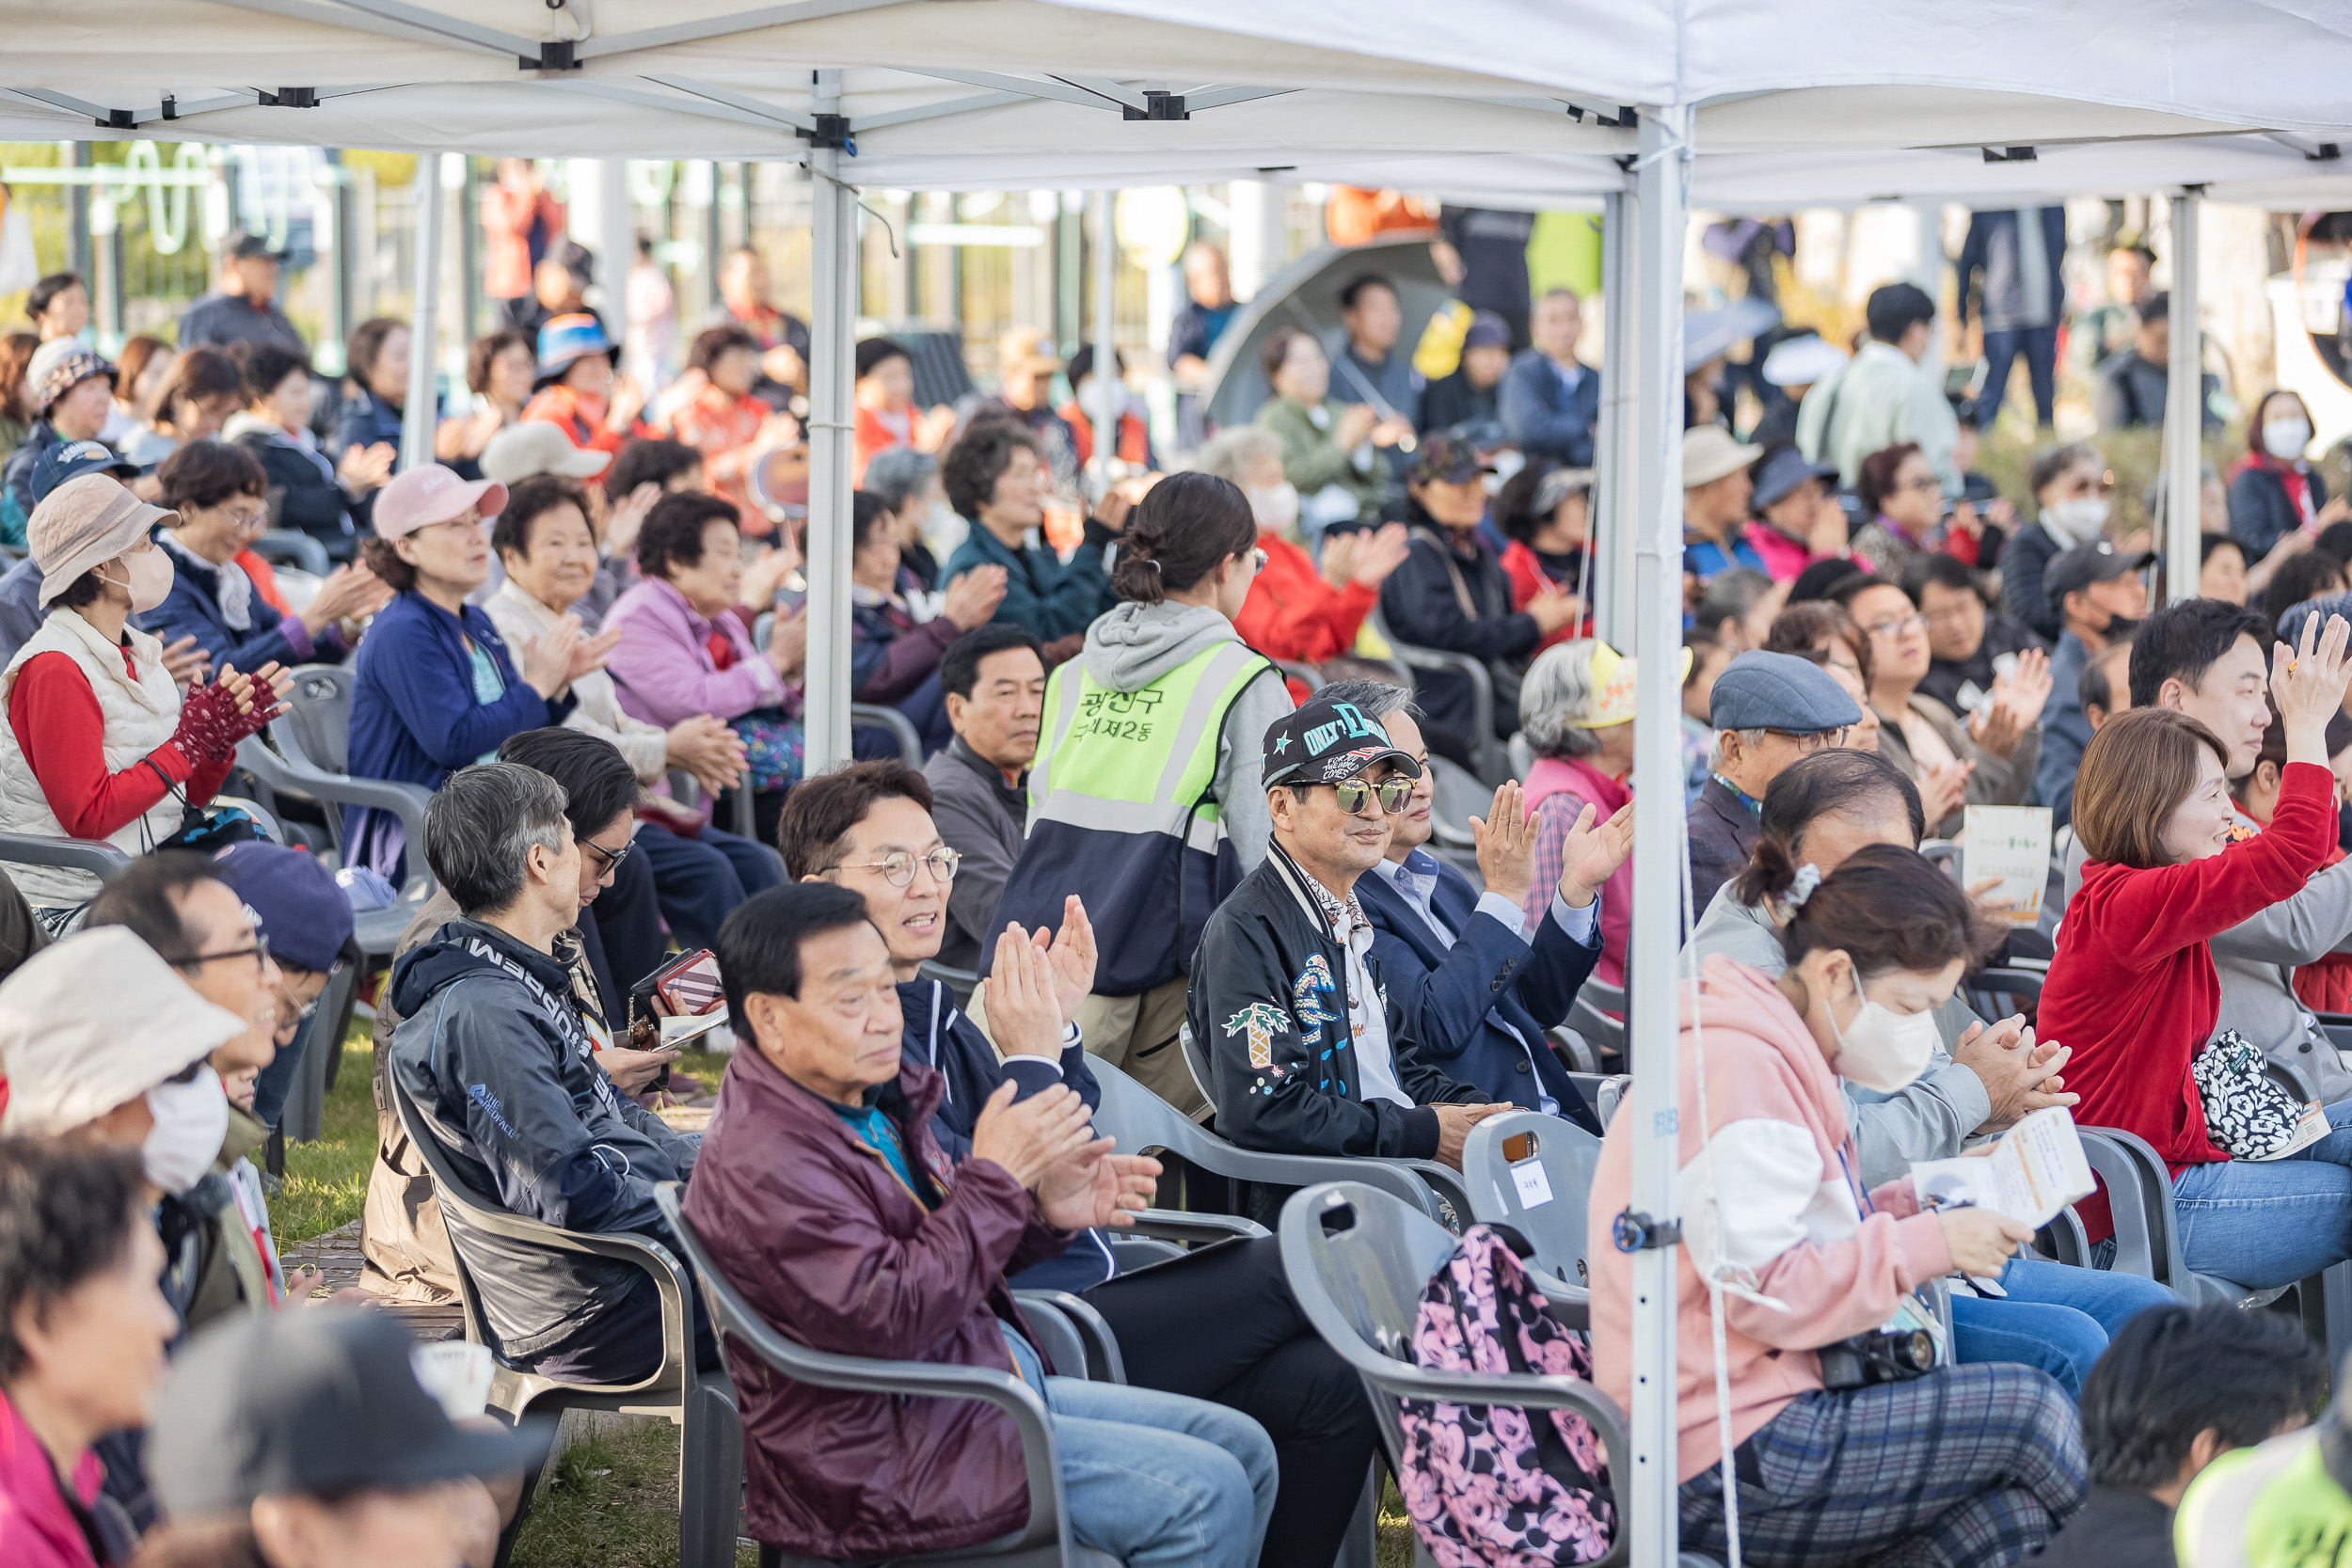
<point>140,715</point>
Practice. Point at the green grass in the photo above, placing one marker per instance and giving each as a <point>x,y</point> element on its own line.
<point>612,1502</point>
<point>327,1182</point>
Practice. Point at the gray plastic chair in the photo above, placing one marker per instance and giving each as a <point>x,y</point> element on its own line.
<point>94,855</point>
<point>1494,763</point>
<point>1044,1541</point>
<point>1427,1185</point>
<point>1591,1015</point>
<point>875,716</point>
<point>1304,674</point>
<point>2147,1232</point>
<point>1357,1261</point>
<point>1502,1149</point>
<point>960,982</point>
<point>700,1404</point>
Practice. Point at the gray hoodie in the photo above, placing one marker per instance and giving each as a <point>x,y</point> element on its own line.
<point>1131,645</point>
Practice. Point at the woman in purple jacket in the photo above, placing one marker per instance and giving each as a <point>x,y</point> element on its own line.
<point>684,647</point>
<point>826,1201</point>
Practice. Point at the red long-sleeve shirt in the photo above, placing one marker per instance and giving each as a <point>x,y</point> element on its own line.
<point>2133,989</point>
<point>1292,613</point>
<point>61,731</point>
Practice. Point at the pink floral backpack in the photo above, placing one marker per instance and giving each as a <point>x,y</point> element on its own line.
<point>1485,1485</point>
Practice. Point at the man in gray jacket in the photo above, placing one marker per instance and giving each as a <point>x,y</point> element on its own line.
<point>992,680</point>
<point>492,1050</point>
<point>1985,1077</point>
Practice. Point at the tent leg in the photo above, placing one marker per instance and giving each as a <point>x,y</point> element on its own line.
<point>1615,444</point>
<point>2184,409</point>
<point>424,336</point>
<point>1664,190</point>
<point>1106,312</point>
<point>833,342</point>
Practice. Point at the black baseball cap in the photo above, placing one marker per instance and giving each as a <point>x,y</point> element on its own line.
<point>244,247</point>
<point>2072,571</point>
<point>1323,742</point>
<point>1449,459</point>
<point>317,1399</point>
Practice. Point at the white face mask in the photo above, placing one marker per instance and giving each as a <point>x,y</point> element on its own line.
<point>191,1122</point>
<point>2285,440</point>
<point>1882,1049</point>
<point>150,585</point>
<point>1102,400</point>
<point>2078,518</point>
<point>1276,506</point>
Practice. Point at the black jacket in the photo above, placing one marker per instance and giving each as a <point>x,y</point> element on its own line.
<point>2002,634</point>
<point>1425,603</point>
<point>2024,558</point>
<point>303,493</point>
<point>1722,834</point>
<point>938,1036</point>
<point>2259,512</point>
<point>2116,1528</point>
<point>491,1051</point>
<point>1271,971</point>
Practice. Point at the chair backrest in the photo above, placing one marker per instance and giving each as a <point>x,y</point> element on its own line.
<point>1944,852</point>
<point>318,715</point>
<point>1599,1015</point>
<point>1455,797</point>
<point>1196,1059</point>
<point>874,715</point>
<point>1305,674</point>
<point>1535,1172</point>
<point>1999,992</point>
<point>1493,762</point>
<point>453,1193</point>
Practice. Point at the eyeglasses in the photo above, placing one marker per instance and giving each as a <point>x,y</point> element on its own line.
<point>248,521</point>
<point>897,868</point>
<point>1929,482</point>
<point>1810,741</point>
<point>612,858</point>
<point>1353,793</point>
<point>1900,627</point>
<point>259,953</point>
<point>1257,561</point>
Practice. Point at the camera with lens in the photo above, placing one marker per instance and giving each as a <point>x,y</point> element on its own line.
<point>1895,1352</point>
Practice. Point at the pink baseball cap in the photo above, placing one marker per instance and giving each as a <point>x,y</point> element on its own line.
<point>432,494</point>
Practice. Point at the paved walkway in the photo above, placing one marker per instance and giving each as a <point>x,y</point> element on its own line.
<point>336,1255</point>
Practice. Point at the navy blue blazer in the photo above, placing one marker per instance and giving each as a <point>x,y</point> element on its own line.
<point>1546,418</point>
<point>192,610</point>
<point>1457,1001</point>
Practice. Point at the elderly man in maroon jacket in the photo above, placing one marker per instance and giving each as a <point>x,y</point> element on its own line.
<point>827,1202</point>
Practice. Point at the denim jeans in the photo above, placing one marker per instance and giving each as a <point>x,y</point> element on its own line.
<point>699,881</point>
<point>1157,1480</point>
<point>277,1080</point>
<point>2054,1318</point>
<point>2271,1223</point>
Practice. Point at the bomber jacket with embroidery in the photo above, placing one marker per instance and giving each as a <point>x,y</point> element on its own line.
<point>491,1049</point>
<point>1269,1009</point>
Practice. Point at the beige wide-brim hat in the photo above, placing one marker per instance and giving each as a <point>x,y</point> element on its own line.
<point>1709,454</point>
<point>83,523</point>
<point>533,447</point>
<point>94,1021</point>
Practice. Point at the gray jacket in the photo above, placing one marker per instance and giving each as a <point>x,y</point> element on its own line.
<point>2255,963</point>
<point>1929,1121</point>
<point>981,820</point>
<point>1996,782</point>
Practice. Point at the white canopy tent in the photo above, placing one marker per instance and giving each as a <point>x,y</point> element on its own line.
<point>1521,95</point>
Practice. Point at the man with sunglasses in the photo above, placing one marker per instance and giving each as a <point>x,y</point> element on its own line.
<point>1767,710</point>
<point>1307,1054</point>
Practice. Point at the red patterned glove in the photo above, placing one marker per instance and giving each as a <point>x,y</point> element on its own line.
<point>210,725</point>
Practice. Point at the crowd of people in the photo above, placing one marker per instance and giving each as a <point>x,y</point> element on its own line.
<point>1179,800</point>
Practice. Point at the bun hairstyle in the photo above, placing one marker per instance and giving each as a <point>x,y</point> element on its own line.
<point>1185,527</point>
<point>1885,908</point>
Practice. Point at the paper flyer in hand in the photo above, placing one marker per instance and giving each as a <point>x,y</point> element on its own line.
<point>2013,843</point>
<point>2037,1169</point>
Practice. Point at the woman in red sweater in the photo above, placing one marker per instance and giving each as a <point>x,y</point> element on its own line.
<point>2133,990</point>
<point>1295,611</point>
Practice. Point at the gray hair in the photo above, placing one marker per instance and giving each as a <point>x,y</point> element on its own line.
<point>1731,595</point>
<point>1375,700</point>
<point>1234,451</point>
<point>893,475</point>
<point>1558,688</point>
<point>480,826</point>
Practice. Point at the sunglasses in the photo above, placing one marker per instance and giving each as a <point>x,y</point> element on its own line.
<point>1353,793</point>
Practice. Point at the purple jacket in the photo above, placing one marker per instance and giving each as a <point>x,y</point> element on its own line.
<point>665,670</point>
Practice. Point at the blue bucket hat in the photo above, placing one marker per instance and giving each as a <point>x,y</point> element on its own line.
<point>567,338</point>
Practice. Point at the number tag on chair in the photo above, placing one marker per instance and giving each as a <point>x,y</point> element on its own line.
<point>1533,1185</point>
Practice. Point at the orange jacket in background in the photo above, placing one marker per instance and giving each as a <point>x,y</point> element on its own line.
<point>1292,613</point>
<point>1353,215</point>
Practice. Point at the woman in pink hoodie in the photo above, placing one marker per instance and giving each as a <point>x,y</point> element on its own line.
<point>1974,1465</point>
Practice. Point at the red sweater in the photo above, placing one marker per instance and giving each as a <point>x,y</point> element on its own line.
<point>1292,613</point>
<point>61,730</point>
<point>2132,988</point>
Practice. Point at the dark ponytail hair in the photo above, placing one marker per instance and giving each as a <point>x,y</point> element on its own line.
<point>1185,527</point>
<point>1885,908</point>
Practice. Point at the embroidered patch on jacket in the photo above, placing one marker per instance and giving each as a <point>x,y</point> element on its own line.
<point>1260,1020</point>
<point>1313,983</point>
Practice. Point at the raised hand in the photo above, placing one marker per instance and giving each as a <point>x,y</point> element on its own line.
<point>628,519</point>
<point>1030,1138</point>
<point>1071,956</point>
<point>706,749</point>
<point>1943,789</point>
<point>1022,999</point>
<point>1356,422</point>
<point>2308,682</point>
<point>1507,843</point>
<point>1554,607</point>
<point>971,599</point>
<point>185,662</point>
<point>590,653</point>
<point>1098,1188</point>
<point>1341,554</point>
<point>547,657</point>
<point>1590,855</point>
<point>787,643</point>
<point>1380,552</point>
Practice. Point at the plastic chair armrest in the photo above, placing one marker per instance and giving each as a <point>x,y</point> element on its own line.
<point>1101,1344</point>
<point>875,716</point>
<point>1177,1224</point>
<point>404,800</point>
<point>93,855</point>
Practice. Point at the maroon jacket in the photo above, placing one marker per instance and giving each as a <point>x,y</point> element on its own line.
<point>825,1242</point>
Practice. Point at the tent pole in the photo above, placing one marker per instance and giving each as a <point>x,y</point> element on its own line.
<point>2184,408</point>
<point>1664,192</point>
<point>424,338</point>
<point>833,341</point>
<point>1614,513</point>
<point>1105,361</point>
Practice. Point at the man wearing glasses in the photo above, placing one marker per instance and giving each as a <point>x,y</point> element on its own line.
<point>1767,710</point>
<point>1308,1056</point>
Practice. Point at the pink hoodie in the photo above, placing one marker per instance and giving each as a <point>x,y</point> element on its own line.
<point>1789,1214</point>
